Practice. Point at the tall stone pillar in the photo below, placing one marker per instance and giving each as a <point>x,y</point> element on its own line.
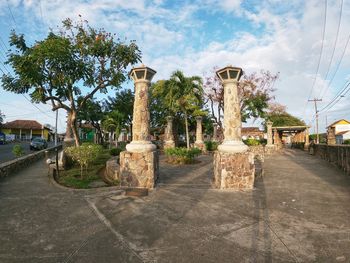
<point>307,139</point>
<point>199,143</point>
<point>215,132</point>
<point>269,133</point>
<point>169,135</point>
<point>139,163</point>
<point>233,164</point>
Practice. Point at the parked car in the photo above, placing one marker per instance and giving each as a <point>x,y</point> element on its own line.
<point>38,144</point>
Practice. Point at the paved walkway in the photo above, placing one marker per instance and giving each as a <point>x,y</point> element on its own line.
<point>299,212</point>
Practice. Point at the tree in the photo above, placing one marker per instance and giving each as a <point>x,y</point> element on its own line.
<point>113,123</point>
<point>181,94</point>
<point>278,115</point>
<point>2,116</point>
<point>254,90</point>
<point>122,102</point>
<point>92,113</point>
<point>77,61</point>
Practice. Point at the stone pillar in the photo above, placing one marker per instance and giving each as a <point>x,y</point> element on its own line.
<point>139,163</point>
<point>215,132</point>
<point>233,164</point>
<point>169,136</point>
<point>269,133</point>
<point>199,143</point>
<point>307,140</point>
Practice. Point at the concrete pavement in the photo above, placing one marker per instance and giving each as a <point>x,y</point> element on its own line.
<point>299,212</point>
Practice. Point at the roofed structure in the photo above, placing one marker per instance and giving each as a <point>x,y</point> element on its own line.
<point>24,124</point>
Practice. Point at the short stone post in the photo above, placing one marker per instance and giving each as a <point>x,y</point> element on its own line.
<point>269,148</point>
<point>169,135</point>
<point>233,164</point>
<point>215,132</point>
<point>199,143</point>
<point>139,163</point>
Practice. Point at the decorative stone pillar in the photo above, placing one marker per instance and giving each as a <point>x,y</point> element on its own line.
<point>199,143</point>
<point>215,132</point>
<point>233,164</point>
<point>269,133</point>
<point>169,141</point>
<point>139,163</point>
<point>307,139</point>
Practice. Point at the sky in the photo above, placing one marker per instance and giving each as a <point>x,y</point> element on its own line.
<point>305,41</point>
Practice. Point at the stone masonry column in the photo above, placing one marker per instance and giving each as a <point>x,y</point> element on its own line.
<point>233,164</point>
<point>199,143</point>
<point>215,132</point>
<point>307,140</point>
<point>169,136</point>
<point>269,133</point>
<point>139,163</point>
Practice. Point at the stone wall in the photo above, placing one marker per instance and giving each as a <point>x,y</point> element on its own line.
<point>18,164</point>
<point>233,170</point>
<point>139,169</point>
<point>258,151</point>
<point>335,154</point>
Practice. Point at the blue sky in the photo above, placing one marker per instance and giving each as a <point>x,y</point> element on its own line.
<point>194,36</point>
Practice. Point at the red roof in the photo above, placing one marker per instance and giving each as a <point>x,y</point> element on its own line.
<point>23,124</point>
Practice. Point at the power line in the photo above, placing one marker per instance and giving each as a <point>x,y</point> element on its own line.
<point>13,18</point>
<point>320,56</point>
<point>335,43</point>
<point>338,96</point>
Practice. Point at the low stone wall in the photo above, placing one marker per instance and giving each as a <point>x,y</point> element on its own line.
<point>15,165</point>
<point>258,151</point>
<point>335,154</point>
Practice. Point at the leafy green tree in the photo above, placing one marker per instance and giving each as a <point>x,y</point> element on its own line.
<point>181,94</point>
<point>2,116</point>
<point>113,123</point>
<point>92,112</point>
<point>122,102</point>
<point>78,61</point>
<point>280,117</point>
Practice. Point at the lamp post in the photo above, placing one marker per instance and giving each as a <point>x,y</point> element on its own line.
<point>232,143</point>
<point>141,142</point>
<point>233,164</point>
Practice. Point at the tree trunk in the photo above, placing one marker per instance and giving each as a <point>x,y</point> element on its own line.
<point>73,123</point>
<point>187,134</point>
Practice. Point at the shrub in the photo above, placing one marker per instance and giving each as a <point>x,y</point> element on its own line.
<point>84,154</point>
<point>115,151</point>
<point>17,150</point>
<point>182,155</point>
<point>252,142</point>
<point>346,141</point>
<point>211,146</point>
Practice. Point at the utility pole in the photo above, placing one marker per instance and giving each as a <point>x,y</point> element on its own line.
<point>56,128</point>
<point>316,111</point>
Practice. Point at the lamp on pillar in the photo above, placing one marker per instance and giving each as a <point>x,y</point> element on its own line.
<point>229,77</point>
<point>141,142</point>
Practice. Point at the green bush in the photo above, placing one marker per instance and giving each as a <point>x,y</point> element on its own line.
<point>182,155</point>
<point>115,151</point>
<point>84,154</point>
<point>211,146</point>
<point>17,150</point>
<point>346,141</point>
<point>252,142</point>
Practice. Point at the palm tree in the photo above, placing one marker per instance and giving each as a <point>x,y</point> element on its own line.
<point>184,94</point>
<point>113,124</point>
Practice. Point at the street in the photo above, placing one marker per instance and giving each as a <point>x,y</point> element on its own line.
<point>6,150</point>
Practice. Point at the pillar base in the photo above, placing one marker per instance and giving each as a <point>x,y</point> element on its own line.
<point>169,144</point>
<point>233,170</point>
<point>139,169</point>
<point>233,147</point>
<point>140,146</point>
<point>270,149</point>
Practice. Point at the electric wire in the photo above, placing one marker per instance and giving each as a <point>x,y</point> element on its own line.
<point>320,56</point>
<point>335,44</point>
<point>13,18</point>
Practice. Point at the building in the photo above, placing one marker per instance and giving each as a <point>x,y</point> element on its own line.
<point>338,132</point>
<point>25,130</point>
<point>252,133</point>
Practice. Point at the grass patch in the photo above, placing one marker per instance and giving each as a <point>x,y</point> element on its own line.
<point>71,177</point>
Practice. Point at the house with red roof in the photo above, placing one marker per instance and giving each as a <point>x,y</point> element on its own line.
<point>26,130</point>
